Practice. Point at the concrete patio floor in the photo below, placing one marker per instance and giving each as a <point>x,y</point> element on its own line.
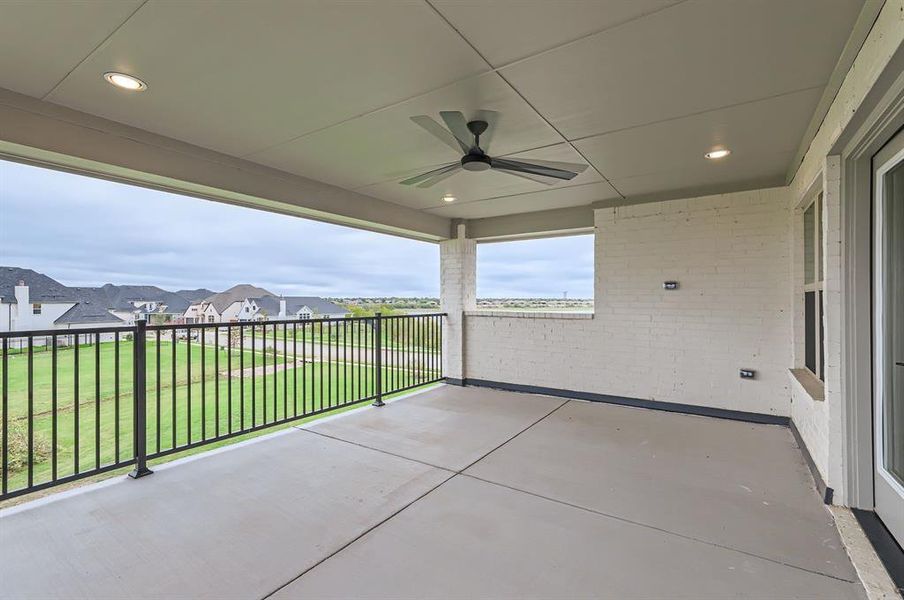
<point>452,492</point>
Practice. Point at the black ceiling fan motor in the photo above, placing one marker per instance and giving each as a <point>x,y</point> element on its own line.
<point>464,136</point>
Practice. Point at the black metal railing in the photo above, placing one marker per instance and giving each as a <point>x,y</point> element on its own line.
<point>76,403</point>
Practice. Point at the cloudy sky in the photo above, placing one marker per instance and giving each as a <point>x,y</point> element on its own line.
<point>84,231</point>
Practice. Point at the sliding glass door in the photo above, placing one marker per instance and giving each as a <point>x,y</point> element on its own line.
<point>888,334</point>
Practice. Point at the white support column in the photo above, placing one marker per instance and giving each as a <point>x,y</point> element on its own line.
<point>832,321</point>
<point>458,293</point>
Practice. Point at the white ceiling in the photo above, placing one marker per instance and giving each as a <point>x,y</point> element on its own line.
<point>639,88</point>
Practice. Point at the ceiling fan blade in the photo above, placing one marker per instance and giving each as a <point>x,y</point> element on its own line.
<point>523,167</point>
<point>528,176</point>
<point>492,118</point>
<point>449,172</point>
<point>456,123</point>
<point>554,164</point>
<point>437,131</point>
<point>429,174</point>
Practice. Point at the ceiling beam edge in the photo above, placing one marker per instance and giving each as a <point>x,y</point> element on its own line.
<point>50,135</point>
<point>545,223</point>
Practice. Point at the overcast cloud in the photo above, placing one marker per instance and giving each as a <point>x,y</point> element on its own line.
<point>84,231</point>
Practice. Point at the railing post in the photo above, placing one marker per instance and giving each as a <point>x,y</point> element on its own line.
<point>378,361</point>
<point>139,409</point>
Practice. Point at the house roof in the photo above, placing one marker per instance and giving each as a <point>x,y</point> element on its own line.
<point>121,297</point>
<point>236,293</point>
<point>320,306</point>
<point>196,295</point>
<point>267,304</point>
<point>41,288</point>
<point>90,308</point>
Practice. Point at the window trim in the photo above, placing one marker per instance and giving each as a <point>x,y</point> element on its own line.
<point>817,286</point>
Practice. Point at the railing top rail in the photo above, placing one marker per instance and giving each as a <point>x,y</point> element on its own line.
<point>436,314</point>
<point>175,326</point>
<point>172,326</point>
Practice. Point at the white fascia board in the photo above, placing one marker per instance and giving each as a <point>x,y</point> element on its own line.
<point>46,134</point>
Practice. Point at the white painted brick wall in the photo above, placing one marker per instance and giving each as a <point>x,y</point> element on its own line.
<point>811,417</point>
<point>458,293</point>
<point>730,254</point>
<point>822,423</point>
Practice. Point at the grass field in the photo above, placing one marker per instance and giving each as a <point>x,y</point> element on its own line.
<point>95,415</point>
<point>397,334</point>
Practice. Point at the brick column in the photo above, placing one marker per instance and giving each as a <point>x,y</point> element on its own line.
<point>458,293</point>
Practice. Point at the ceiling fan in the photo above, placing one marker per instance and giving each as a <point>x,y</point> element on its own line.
<point>472,138</point>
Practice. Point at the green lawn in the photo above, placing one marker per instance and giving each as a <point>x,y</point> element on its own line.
<point>180,410</point>
<point>397,334</point>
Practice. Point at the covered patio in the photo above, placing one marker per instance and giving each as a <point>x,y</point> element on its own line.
<point>739,381</point>
<point>450,492</point>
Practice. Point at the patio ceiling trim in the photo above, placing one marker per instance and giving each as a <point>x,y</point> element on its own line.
<point>545,223</point>
<point>45,134</point>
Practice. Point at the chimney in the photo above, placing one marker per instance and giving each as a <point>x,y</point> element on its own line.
<point>282,307</point>
<point>22,294</point>
<point>23,307</point>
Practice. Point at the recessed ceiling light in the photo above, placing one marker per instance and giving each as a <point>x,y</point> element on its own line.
<point>717,154</point>
<point>448,198</point>
<point>126,82</point>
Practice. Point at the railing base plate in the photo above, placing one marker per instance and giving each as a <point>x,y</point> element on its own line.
<point>138,473</point>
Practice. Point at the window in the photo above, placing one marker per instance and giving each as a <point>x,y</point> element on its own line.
<point>814,263</point>
<point>35,309</point>
<point>548,274</point>
<point>210,318</point>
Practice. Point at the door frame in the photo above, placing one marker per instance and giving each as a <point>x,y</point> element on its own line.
<point>879,117</point>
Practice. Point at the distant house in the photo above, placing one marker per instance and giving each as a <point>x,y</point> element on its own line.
<point>224,307</point>
<point>193,313</point>
<point>279,308</point>
<point>198,309</point>
<point>308,307</point>
<point>264,308</point>
<point>131,302</point>
<point>33,301</point>
<point>249,303</point>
